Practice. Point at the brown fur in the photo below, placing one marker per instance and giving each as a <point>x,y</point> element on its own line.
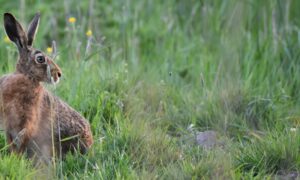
<point>34,120</point>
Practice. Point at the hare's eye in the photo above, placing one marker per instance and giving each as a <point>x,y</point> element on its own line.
<point>40,59</point>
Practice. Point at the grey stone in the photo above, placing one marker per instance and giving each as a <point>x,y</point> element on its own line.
<point>206,139</point>
<point>288,176</point>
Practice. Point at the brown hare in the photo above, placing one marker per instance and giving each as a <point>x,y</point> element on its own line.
<point>35,121</point>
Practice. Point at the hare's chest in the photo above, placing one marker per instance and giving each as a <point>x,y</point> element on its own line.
<point>19,90</point>
<point>19,101</point>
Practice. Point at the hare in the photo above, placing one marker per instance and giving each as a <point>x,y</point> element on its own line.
<point>36,122</point>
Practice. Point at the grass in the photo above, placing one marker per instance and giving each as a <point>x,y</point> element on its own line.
<point>153,68</point>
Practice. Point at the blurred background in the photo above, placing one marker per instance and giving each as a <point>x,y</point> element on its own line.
<point>151,75</point>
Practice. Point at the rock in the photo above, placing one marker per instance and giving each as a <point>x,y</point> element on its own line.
<point>206,139</point>
<point>288,176</point>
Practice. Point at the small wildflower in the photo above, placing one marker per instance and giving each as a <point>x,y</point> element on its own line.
<point>101,139</point>
<point>72,20</point>
<point>89,33</point>
<point>191,127</point>
<point>293,129</point>
<point>49,50</point>
<point>6,39</point>
<point>96,167</point>
<point>120,104</point>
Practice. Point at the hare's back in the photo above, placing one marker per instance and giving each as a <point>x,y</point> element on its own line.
<point>71,126</point>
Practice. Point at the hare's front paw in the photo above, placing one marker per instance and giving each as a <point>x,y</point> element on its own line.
<point>19,138</point>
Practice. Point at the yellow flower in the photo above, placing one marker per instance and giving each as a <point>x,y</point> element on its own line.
<point>72,20</point>
<point>49,50</point>
<point>89,33</point>
<point>6,39</point>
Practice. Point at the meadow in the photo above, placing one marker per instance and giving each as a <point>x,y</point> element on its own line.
<point>149,74</point>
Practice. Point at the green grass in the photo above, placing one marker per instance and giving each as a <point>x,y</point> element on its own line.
<point>153,68</point>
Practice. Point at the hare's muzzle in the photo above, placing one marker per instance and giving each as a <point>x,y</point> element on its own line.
<point>54,72</point>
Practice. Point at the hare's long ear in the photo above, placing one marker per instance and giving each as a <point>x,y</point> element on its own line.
<point>33,26</point>
<point>15,31</point>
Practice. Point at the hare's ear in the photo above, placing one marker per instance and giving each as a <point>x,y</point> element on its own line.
<point>33,26</point>
<point>15,31</point>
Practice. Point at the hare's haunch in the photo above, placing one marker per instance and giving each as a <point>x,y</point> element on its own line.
<point>35,121</point>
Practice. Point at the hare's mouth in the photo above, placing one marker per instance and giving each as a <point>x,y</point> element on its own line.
<point>53,81</point>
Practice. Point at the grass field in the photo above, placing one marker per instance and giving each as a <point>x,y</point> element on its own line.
<point>149,70</point>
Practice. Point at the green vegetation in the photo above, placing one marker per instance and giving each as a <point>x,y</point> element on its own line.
<point>153,68</point>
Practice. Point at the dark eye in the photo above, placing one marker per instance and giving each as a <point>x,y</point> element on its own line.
<point>40,59</point>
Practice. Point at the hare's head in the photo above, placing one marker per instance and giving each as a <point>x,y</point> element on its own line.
<point>33,63</point>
